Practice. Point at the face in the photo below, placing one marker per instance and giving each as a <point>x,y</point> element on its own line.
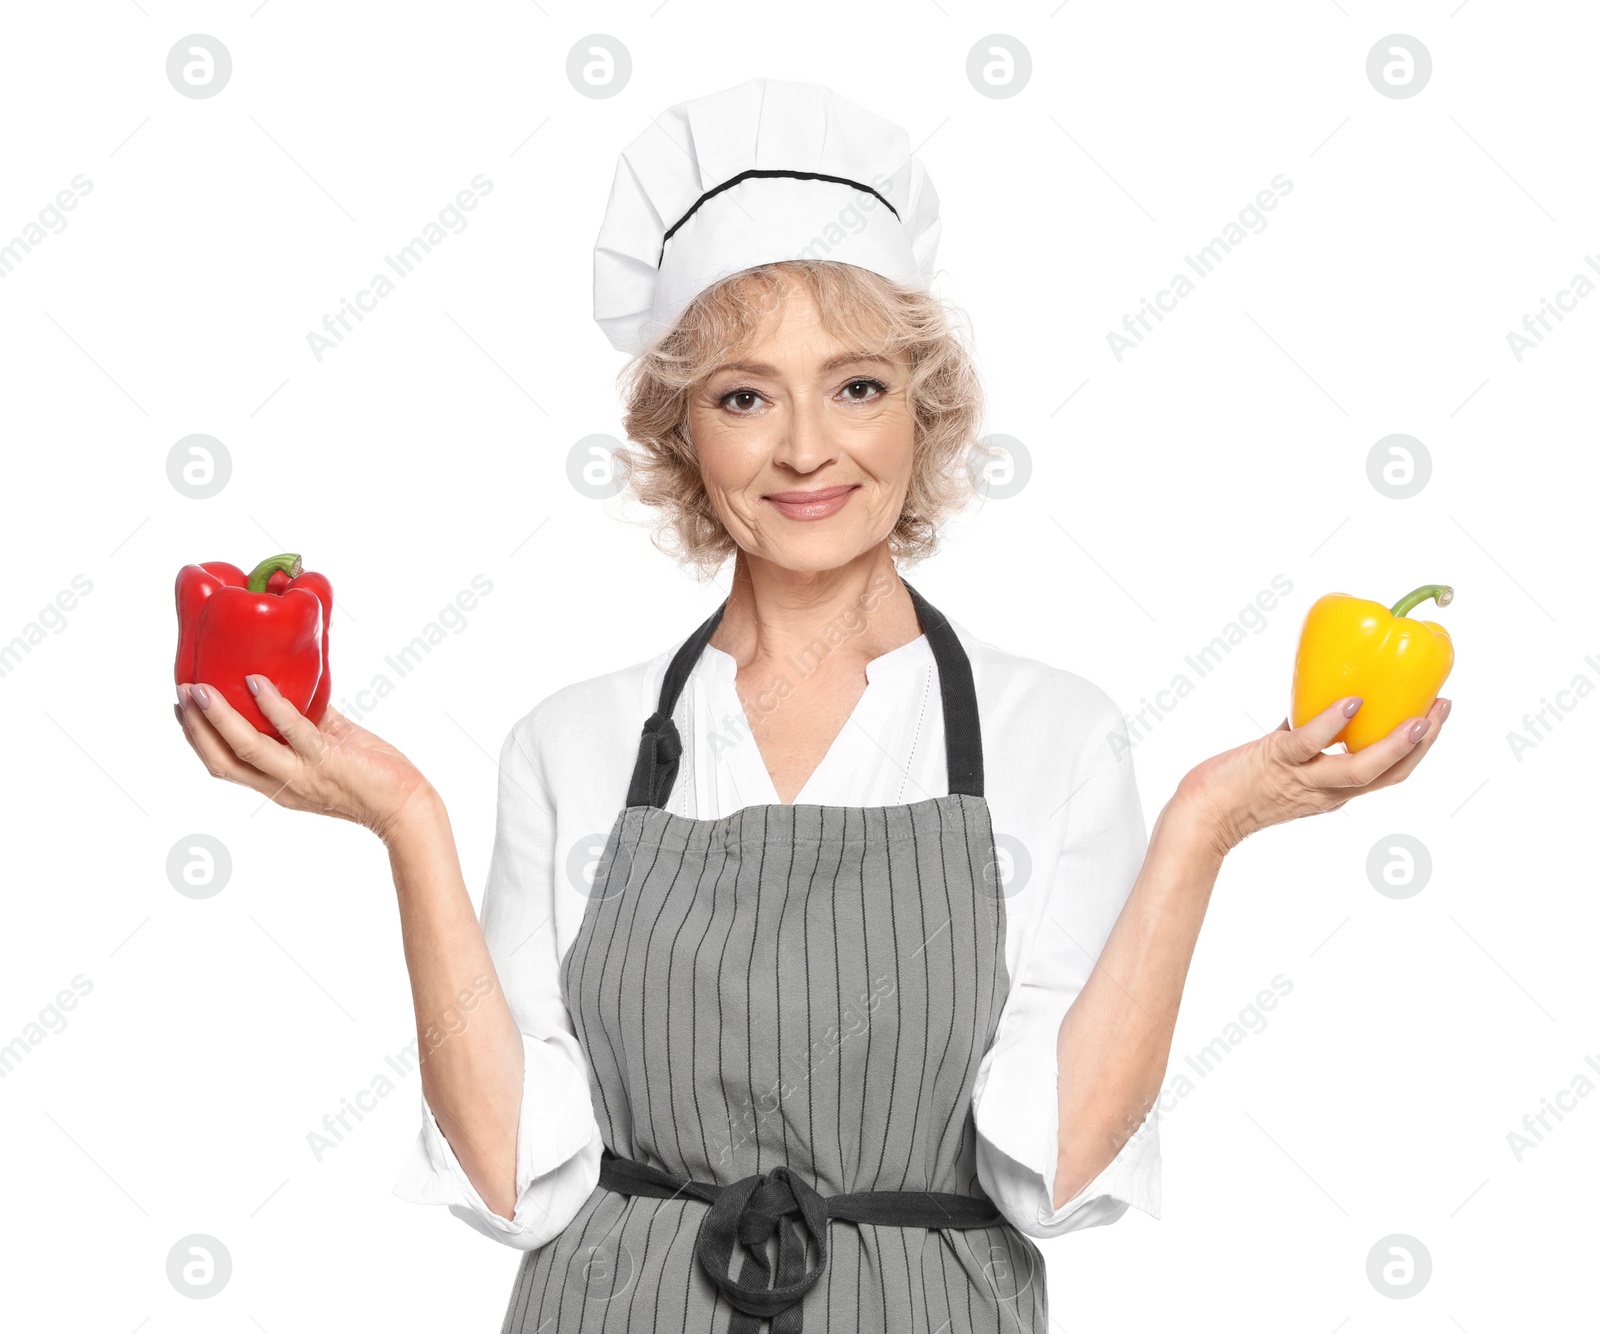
<point>804,442</point>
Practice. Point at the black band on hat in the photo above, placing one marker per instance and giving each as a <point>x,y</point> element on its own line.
<point>754,171</point>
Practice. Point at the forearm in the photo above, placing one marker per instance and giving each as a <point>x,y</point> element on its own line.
<point>467,1039</point>
<point>1114,1041</point>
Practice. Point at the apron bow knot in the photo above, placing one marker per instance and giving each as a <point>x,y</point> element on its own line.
<point>749,1213</point>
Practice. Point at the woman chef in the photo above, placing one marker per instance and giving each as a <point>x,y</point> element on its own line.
<point>797,1055</point>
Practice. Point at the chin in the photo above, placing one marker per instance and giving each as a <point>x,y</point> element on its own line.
<point>816,554</point>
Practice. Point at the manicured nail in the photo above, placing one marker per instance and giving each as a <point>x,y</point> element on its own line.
<point>1419,730</point>
<point>177,713</point>
<point>179,689</point>
<point>1447,706</point>
<point>201,696</point>
<point>1351,705</point>
<point>251,682</point>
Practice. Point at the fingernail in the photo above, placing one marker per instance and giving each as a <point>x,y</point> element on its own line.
<point>177,713</point>
<point>201,696</point>
<point>179,689</point>
<point>1351,705</point>
<point>1448,704</point>
<point>1419,730</point>
<point>251,682</point>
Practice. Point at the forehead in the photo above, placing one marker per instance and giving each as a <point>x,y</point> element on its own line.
<point>792,326</point>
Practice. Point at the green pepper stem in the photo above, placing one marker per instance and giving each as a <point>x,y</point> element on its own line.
<point>289,563</point>
<point>1440,593</point>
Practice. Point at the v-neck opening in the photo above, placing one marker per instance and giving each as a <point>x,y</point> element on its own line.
<point>913,653</point>
<point>655,768</point>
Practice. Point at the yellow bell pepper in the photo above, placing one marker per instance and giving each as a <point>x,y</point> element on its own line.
<point>1350,646</point>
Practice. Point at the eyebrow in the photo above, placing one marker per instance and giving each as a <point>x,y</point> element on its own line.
<point>832,364</point>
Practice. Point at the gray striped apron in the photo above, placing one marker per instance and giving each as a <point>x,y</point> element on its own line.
<point>783,1012</point>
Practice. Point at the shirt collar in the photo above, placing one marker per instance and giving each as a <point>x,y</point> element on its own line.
<point>914,653</point>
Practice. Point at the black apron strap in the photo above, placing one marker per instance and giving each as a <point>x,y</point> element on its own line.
<point>963,739</point>
<point>656,767</point>
<point>746,1214</point>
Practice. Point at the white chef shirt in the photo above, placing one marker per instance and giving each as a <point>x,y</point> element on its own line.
<point>1068,828</point>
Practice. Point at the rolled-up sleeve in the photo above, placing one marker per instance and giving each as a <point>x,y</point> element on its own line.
<point>558,1139</point>
<point>1067,921</point>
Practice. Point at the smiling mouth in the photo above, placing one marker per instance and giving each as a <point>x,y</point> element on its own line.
<point>818,503</point>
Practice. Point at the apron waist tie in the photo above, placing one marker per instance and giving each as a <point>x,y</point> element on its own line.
<point>752,1210</point>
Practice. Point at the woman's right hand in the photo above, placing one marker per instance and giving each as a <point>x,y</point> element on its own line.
<point>336,769</point>
<point>1286,774</point>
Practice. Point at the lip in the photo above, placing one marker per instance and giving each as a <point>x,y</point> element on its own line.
<point>817,503</point>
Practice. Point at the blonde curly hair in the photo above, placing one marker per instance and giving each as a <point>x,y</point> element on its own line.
<point>856,306</point>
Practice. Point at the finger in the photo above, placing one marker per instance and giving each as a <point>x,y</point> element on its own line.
<point>1364,766</point>
<point>1401,768</point>
<point>272,758</point>
<point>214,753</point>
<point>1316,734</point>
<point>292,725</point>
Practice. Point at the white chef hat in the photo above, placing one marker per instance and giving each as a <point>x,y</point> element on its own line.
<point>765,171</point>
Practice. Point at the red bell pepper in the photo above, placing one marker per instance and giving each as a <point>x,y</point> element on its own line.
<point>272,622</point>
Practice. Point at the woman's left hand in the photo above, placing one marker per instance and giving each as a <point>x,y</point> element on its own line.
<point>1285,775</point>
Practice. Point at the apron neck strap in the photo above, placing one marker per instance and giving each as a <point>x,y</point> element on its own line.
<point>656,767</point>
<point>963,739</point>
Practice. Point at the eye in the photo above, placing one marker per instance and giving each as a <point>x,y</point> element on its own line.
<point>863,390</point>
<point>740,400</point>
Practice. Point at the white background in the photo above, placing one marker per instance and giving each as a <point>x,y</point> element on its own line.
<point>1230,447</point>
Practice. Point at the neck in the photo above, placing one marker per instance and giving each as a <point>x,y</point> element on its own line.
<point>860,610</point>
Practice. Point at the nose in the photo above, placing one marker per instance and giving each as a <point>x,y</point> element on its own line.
<point>804,444</point>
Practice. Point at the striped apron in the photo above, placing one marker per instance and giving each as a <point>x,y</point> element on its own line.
<point>783,1012</point>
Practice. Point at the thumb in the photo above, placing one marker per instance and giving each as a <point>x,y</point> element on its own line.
<point>1317,733</point>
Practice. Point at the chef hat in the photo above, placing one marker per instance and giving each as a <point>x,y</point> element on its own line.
<point>765,171</point>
